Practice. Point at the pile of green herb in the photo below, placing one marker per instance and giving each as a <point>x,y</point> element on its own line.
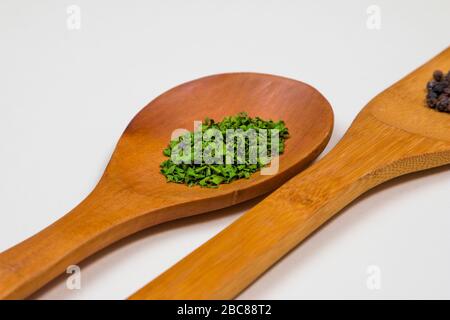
<point>212,174</point>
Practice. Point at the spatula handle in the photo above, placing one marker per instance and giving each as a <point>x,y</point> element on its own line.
<point>370,153</point>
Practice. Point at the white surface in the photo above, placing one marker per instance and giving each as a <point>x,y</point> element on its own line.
<point>67,95</point>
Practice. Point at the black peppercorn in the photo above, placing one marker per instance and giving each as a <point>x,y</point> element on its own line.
<point>437,75</point>
<point>438,92</point>
<point>440,86</point>
<point>431,103</point>
<point>432,95</point>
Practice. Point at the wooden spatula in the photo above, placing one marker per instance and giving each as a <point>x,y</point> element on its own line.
<point>133,195</point>
<point>394,134</point>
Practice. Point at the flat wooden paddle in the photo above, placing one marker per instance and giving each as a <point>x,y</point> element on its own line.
<point>133,195</point>
<point>393,135</point>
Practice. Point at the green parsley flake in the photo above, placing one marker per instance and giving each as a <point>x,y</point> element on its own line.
<point>211,175</point>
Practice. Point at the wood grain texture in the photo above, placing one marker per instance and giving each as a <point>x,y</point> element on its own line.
<point>393,135</point>
<point>133,195</point>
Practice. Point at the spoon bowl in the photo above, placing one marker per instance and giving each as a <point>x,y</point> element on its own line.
<point>136,159</point>
<point>132,194</point>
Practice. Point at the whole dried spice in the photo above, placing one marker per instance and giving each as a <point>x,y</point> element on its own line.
<point>438,92</point>
<point>213,174</point>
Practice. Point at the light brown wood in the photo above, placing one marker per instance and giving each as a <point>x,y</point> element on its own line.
<point>133,195</point>
<point>394,134</point>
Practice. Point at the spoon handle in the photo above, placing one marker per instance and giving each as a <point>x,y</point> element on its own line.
<point>98,221</point>
<point>370,153</point>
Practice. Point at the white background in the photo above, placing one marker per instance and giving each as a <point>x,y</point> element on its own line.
<point>67,95</point>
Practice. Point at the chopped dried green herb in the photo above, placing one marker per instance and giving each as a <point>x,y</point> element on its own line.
<point>229,159</point>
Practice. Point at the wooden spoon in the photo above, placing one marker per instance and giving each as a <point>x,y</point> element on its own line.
<point>394,134</point>
<point>133,195</point>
